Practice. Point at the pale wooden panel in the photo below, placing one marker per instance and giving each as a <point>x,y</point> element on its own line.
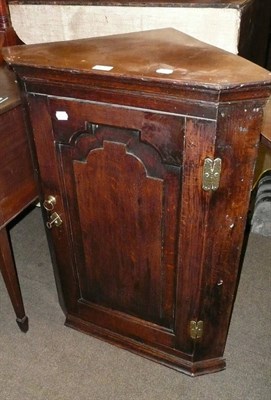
<point>266,130</point>
<point>42,23</point>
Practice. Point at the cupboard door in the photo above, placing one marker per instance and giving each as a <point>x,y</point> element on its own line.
<point>120,184</point>
<point>127,184</point>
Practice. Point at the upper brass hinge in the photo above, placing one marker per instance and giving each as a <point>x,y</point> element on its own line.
<point>211,174</point>
<point>196,330</point>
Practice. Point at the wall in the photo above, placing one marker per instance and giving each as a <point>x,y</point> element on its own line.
<point>41,23</point>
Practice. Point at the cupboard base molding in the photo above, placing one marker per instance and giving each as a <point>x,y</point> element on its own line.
<point>157,355</point>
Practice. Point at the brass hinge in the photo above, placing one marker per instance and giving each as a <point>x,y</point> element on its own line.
<point>211,174</point>
<point>196,330</point>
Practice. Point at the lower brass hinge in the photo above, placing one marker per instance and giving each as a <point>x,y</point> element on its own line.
<point>196,330</point>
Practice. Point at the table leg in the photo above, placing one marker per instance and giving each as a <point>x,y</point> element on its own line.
<point>9,273</point>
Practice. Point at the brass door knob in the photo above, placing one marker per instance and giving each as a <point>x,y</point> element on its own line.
<point>49,203</point>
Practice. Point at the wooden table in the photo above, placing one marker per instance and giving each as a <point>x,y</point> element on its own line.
<point>17,185</point>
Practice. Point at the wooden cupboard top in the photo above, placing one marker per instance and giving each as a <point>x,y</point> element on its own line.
<point>9,92</point>
<point>158,55</point>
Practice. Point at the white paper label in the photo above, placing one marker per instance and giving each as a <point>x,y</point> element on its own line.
<point>62,115</point>
<point>103,67</point>
<point>166,71</point>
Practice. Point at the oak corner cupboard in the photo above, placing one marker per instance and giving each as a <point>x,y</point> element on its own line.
<point>145,144</point>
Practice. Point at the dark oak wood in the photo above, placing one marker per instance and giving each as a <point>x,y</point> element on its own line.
<point>142,249</point>
<point>9,273</point>
<point>17,185</point>
<point>18,188</point>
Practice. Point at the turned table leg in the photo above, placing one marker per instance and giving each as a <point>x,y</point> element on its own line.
<point>9,273</point>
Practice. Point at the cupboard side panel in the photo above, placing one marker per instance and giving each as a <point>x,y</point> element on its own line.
<point>199,143</point>
<point>238,134</point>
<point>49,179</point>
